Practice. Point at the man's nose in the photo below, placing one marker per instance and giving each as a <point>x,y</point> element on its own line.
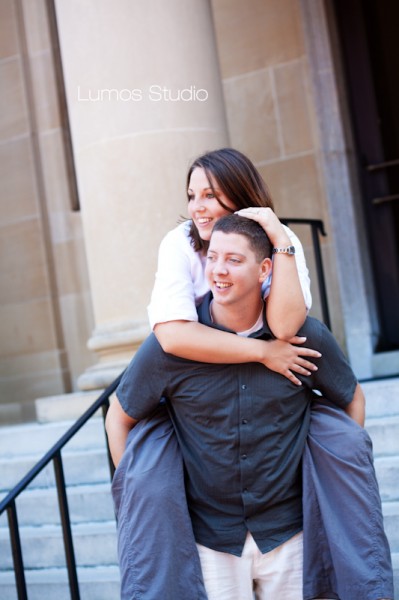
<point>220,268</point>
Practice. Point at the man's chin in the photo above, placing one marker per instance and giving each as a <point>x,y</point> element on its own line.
<point>221,297</point>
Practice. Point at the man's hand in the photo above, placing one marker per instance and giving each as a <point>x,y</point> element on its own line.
<point>284,358</point>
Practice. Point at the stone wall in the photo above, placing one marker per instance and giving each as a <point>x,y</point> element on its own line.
<point>271,117</point>
<point>45,311</point>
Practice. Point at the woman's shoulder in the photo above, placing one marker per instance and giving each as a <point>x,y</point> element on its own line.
<point>178,236</point>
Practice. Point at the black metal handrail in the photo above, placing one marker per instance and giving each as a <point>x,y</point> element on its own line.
<point>317,227</point>
<point>54,455</point>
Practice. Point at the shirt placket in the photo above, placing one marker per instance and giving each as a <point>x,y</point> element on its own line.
<point>246,449</point>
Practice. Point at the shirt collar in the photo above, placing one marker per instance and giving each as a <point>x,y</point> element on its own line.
<point>204,317</point>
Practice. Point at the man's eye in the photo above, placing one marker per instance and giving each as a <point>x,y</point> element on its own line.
<point>210,258</point>
<point>235,260</point>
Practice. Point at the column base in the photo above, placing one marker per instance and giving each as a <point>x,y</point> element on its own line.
<point>115,344</point>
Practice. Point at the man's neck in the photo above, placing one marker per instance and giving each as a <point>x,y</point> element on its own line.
<point>236,318</point>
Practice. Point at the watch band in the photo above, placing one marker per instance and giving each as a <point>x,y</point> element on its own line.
<point>288,250</point>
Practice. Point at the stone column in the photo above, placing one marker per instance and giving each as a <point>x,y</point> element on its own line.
<point>144,98</point>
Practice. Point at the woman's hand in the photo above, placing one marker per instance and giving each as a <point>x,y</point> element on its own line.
<point>269,221</point>
<point>286,357</point>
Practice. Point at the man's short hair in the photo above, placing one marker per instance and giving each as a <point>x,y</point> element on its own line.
<point>256,235</point>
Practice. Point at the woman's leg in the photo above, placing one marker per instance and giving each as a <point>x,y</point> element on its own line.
<point>156,547</point>
<point>346,552</point>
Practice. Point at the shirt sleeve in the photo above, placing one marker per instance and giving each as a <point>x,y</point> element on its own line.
<point>142,385</point>
<point>334,378</point>
<point>303,271</point>
<point>173,296</point>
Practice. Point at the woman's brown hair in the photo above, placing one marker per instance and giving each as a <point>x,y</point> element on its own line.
<point>237,177</point>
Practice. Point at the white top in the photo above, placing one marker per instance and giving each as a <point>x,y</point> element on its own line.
<point>180,282</point>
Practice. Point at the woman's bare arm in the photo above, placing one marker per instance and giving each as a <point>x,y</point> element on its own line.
<point>195,341</point>
<point>285,306</point>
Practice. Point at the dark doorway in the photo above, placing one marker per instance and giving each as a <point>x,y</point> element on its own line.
<point>369,34</point>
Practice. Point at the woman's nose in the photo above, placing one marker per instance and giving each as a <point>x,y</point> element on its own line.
<point>198,205</point>
<point>196,202</point>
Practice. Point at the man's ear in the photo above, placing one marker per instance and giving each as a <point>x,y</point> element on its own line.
<point>265,269</point>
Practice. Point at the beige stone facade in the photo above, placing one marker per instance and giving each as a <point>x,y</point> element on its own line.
<point>45,311</point>
<point>94,151</point>
<point>271,114</point>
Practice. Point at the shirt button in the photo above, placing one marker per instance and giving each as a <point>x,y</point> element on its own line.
<point>244,387</point>
<point>244,421</point>
<point>243,456</point>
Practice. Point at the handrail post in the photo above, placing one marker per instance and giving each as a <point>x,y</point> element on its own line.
<point>66,527</point>
<point>104,409</point>
<point>16,551</point>
<point>316,227</point>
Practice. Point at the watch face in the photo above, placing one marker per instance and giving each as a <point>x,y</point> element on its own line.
<point>291,249</point>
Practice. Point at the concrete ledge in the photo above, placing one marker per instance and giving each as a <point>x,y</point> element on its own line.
<point>64,407</point>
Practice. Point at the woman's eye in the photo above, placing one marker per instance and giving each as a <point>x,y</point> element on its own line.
<point>190,197</point>
<point>210,195</point>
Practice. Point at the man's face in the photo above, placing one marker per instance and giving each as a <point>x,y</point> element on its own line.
<point>233,272</point>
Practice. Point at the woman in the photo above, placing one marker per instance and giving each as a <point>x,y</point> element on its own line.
<point>156,546</point>
<point>220,182</point>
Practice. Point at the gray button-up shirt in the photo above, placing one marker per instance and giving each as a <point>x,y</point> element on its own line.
<point>242,429</point>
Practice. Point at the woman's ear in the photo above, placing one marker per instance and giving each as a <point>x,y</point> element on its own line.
<point>265,269</point>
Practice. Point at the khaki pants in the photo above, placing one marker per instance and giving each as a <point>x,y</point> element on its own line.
<point>275,575</point>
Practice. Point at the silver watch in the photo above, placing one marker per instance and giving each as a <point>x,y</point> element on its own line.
<point>288,250</point>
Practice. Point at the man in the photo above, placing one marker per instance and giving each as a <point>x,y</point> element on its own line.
<point>241,428</point>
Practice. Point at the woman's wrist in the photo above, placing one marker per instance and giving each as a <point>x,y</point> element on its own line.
<point>257,350</point>
<point>282,240</point>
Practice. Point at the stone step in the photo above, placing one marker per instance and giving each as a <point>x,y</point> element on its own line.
<point>381,395</point>
<point>38,505</point>
<point>95,583</point>
<point>85,466</point>
<point>36,439</point>
<point>42,547</point>
<point>384,431</point>
<point>387,470</point>
<point>395,565</point>
<point>390,510</point>
<point>86,503</point>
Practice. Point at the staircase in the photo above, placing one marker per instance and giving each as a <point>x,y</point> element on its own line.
<point>382,423</point>
<point>91,510</point>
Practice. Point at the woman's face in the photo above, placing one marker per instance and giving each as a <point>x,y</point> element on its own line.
<point>203,206</point>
